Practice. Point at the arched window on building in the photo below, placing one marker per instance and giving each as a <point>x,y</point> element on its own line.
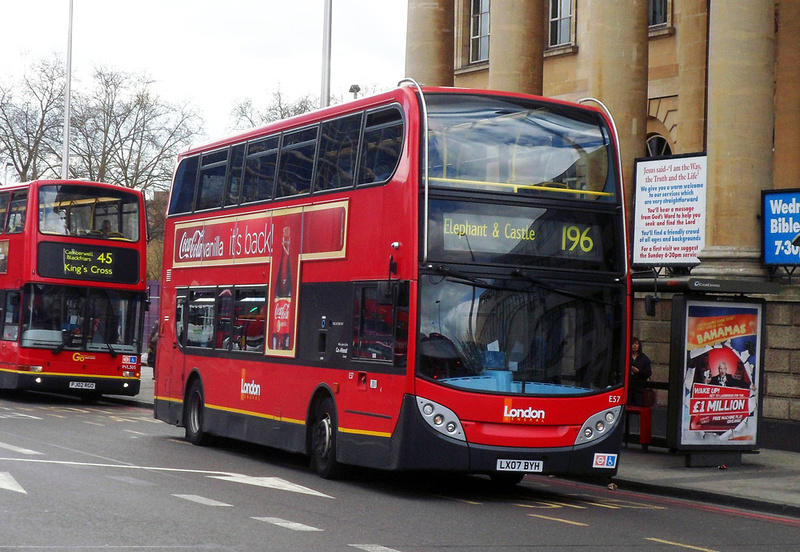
<point>657,146</point>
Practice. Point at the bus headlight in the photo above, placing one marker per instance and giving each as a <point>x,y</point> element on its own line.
<point>441,418</point>
<point>598,425</point>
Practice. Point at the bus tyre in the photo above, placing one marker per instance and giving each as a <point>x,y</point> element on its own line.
<point>194,414</point>
<point>323,440</point>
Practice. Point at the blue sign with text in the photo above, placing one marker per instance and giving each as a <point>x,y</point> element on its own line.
<point>781,217</point>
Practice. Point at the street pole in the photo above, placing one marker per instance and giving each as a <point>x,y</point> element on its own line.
<point>65,145</point>
<point>325,95</point>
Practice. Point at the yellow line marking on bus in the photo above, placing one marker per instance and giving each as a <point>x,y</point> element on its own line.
<point>559,519</point>
<point>662,541</point>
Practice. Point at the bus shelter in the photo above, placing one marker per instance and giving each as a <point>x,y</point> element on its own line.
<point>716,371</point>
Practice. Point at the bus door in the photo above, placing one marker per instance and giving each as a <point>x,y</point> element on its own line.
<point>176,370</point>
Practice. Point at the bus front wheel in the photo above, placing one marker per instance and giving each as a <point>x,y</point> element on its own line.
<point>194,414</point>
<point>323,440</point>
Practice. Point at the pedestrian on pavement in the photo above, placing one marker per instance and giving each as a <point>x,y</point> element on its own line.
<point>640,373</point>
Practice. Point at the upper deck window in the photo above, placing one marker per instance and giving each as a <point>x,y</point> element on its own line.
<point>519,147</point>
<point>259,173</point>
<point>336,166</point>
<point>17,211</point>
<point>381,146</point>
<point>87,211</point>
<point>297,162</point>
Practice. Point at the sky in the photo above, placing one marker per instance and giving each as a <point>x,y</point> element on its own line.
<point>213,54</point>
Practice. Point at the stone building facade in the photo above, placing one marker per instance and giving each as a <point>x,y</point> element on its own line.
<point>718,77</point>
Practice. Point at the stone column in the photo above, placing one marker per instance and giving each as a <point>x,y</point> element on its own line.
<point>516,45</point>
<point>618,75</point>
<point>787,96</point>
<point>430,42</point>
<point>740,125</point>
<point>692,48</point>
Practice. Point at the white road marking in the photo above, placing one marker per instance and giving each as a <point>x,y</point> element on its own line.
<point>20,450</point>
<point>202,500</point>
<point>294,526</point>
<point>9,483</point>
<point>372,548</point>
<point>270,482</point>
<point>9,414</point>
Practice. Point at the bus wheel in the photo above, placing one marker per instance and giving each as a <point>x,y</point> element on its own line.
<point>507,479</point>
<point>323,440</point>
<point>193,418</point>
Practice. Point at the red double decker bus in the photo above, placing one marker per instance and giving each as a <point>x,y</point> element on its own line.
<point>72,287</point>
<point>426,279</point>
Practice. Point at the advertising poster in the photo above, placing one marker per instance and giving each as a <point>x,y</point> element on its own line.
<point>669,210</point>
<point>720,399</point>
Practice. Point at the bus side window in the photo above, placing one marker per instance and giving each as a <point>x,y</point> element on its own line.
<point>249,319</point>
<point>233,185</point>
<point>336,165</point>
<point>180,309</point>
<point>183,189</point>
<point>297,162</point>
<point>4,197</point>
<point>381,147</point>
<point>200,322</point>
<point>373,336</point>
<point>17,211</point>
<point>10,316</point>
<point>211,184</point>
<point>259,171</point>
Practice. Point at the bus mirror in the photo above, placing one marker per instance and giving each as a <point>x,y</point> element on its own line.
<point>385,293</point>
<point>650,302</point>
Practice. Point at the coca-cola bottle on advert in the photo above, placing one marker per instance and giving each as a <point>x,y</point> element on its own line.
<point>282,304</point>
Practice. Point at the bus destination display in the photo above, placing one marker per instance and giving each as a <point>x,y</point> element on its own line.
<point>88,262</point>
<point>474,231</point>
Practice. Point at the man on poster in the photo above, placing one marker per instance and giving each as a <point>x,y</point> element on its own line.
<point>720,399</point>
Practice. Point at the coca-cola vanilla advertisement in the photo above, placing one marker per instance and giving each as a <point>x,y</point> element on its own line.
<point>281,239</point>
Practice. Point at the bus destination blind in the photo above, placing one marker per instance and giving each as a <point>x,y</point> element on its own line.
<point>88,262</point>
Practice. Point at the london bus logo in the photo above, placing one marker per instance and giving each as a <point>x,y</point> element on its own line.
<point>530,414</point>
<point>249,389</point>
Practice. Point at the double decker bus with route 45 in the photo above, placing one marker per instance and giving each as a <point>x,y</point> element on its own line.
<point>72,287</point>
<point>425,279</point>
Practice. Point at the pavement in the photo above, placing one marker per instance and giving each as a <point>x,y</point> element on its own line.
<point>767,480</point>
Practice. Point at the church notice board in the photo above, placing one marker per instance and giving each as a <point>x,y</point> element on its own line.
<point>716,373</point>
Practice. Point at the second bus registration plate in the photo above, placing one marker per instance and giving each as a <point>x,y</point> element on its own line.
<point>528,466</point>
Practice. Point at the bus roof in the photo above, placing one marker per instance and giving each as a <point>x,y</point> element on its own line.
<point>400,94</point>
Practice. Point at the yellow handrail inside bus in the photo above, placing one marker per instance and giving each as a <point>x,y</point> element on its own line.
<point>546,186</point>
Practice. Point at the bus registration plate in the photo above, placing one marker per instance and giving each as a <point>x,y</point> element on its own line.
<point>81,385</point>
<point>528,466</point>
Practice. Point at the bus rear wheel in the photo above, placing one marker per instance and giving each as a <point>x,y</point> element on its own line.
<point>193,417</point>
<point>323,440</point>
